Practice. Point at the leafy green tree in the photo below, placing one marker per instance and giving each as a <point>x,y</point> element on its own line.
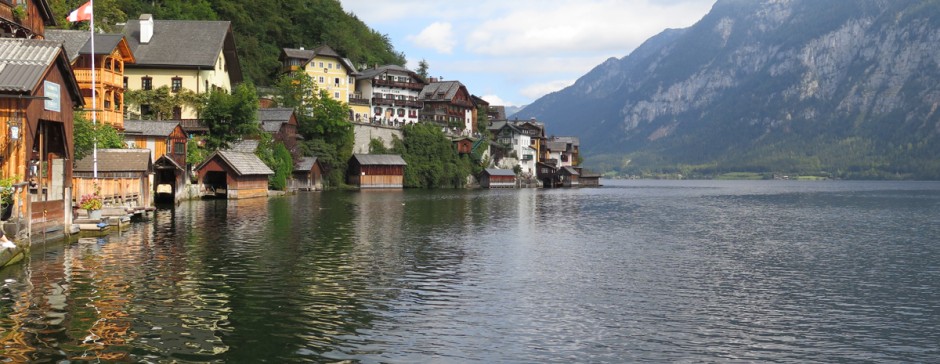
<point>432,160</point>
<point>231,117</point>
<point>423,69</point>
<point>195,153</point>
<point>85,133</point>
<point>377,146</point>
<point>162,101</point>
<point>282,171</point>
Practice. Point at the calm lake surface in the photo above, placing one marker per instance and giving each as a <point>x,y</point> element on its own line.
<point>664,271</point>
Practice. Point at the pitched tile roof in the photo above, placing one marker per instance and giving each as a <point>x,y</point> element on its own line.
<point>23,62</point>
<point>499,172</point>
<point>275,114</point>
<point>305,164</point>
<point>391,68</point>
<point>271,126</point>
<point>570,170</point>
<point>448,89</point>
<point>244,146</point>
<point>568,139</point>
<point>556,146</point>
<point>185,43</point>
<point>150,127</point>
<point>116,160</point>
<point>323,51</point>
<point>379,159</point>
<point>244,164</point>
<point>77,41</point>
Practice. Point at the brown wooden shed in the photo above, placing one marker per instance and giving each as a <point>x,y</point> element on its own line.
<point>376,171</point>
<point>498,178</point>
<point>123,177</point>
<point>307,175</point>
<point>233,175</point>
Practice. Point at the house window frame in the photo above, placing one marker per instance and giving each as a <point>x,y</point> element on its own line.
<point>146,83</point>
<point>176,84</point>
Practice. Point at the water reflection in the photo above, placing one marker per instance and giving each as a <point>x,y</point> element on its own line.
<point>670,272</point>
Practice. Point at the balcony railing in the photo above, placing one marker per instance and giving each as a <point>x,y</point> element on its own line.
<point>358,101</point>
<point>404,103</point>
<point>102,77</point>
<point>407,85</point>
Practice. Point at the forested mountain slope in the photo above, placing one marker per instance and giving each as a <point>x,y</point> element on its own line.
<point>262,27</point>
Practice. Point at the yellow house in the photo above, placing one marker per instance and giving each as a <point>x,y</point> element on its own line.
<point>329,70</point>
<point>111,54</point>
<point>197,55</point>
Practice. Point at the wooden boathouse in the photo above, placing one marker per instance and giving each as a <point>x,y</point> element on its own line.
<point>307,175</point>
<point>123,177</point>
<point>233,175</point>
<point>376,171</point>
<point>497,178</point>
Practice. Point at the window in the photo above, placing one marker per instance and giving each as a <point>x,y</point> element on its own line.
<point>179,148</point>
<point>145,111</point>
<point>401,112</point>
<point>125,82</point>
<point>336,81</point>
<point>322,80</point>
<point>176,83</point>
<point>336,95</point>
<point>378,110</point>
<point>330,65</point>
<point>321,64</point>
<point>177,113</point>
<point>146,83</point>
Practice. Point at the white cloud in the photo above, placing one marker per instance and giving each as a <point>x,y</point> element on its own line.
<point>580,26</point>
<point>438,36</point>
<point>541,89</point>
<point>496,100</point>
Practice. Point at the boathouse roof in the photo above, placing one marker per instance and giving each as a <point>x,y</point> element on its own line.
<point>242,163</point>
<point>116,160</point>
<point>305,164</point>
<point>499,172</point>
<point>24,62</point>
<point>150,127</point>
<point>379,159</point>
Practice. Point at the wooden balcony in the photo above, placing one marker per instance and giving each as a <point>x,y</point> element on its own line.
<point>358,101</point>
<point>110,117</point>
<point>102,77</point>
<point>405,85</point>
<point>393,102</point>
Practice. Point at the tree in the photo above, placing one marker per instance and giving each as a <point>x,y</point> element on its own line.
<point>432,160</point>
<point>423,69</point>
<point>276,156</point>
<point>230,117</point>
<point>377,146</point>
<point>162,101</point>
<point>85,134</point>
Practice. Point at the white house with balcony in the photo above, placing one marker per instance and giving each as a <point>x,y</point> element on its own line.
<point>392,94</point>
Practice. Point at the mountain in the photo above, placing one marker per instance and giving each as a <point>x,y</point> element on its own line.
<point>847,89</point>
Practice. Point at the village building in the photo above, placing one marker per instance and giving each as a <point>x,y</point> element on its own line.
<point>513,146</point>
<point>588,179</point>
<point>571,152</point>
<point>233,175</point>
<point>111,53</point>
<point>168,145</point>
<point>329,71</point>
<point>479,104</point>
<point>307,175</point>
<point>38,93</point>
<point>25,19</point>
<point>448,103</point>
<point>392,93</point>
<point>169,53</point>
<point>376,171</point>
<point>463,144</point>
<point>281,123</point>
<point>123,177</point>
<point>497,178</point>
<point>569,177</point>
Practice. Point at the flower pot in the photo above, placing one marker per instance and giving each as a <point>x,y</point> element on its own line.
<point>94,214</point>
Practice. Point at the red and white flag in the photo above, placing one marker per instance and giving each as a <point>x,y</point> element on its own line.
<point>81,14</point>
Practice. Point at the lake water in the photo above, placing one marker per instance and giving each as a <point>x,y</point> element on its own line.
<point>666,271</point>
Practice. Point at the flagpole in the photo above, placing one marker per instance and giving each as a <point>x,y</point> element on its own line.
<point>94,98</point>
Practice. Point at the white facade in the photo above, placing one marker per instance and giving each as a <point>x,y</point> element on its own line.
<point>392,93</point>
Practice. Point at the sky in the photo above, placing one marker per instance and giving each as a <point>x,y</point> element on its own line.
<point>511,52</point>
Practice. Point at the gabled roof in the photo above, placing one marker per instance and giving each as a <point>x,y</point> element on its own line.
<point>158,128</point>
<point>244,164</point>
<point>499,172</point>
<point>568,140</point>
<point>244,146</point>
<point>166,160</point>
<point>77,42</point>
<point>569,170</point>
<point>322,51</point>
<point>448,89</point>
<point>185,44</point>
<point>24,63</point>
<point>116,160</point>
<point>556,146</point>
<point>379,159</point>
<point>272,126</point>
<point>281,114</point>
<point>305,164</point>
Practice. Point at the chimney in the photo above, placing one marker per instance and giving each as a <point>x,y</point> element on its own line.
<point>146,28</point>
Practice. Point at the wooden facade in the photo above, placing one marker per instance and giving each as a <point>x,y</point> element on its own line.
<point>234,175</point>
<point>25,19</point>
<point>376,171</point>
<point>307,175</point>
<point>123,177</point>
<point>163,138</point>
<point>36,144</point>
<point>109,83</point>
<point>464,145</point>
<point>497,178</point>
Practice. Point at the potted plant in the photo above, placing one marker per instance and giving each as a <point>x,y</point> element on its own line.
<point>6,197</point>
<point>92,203</point>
